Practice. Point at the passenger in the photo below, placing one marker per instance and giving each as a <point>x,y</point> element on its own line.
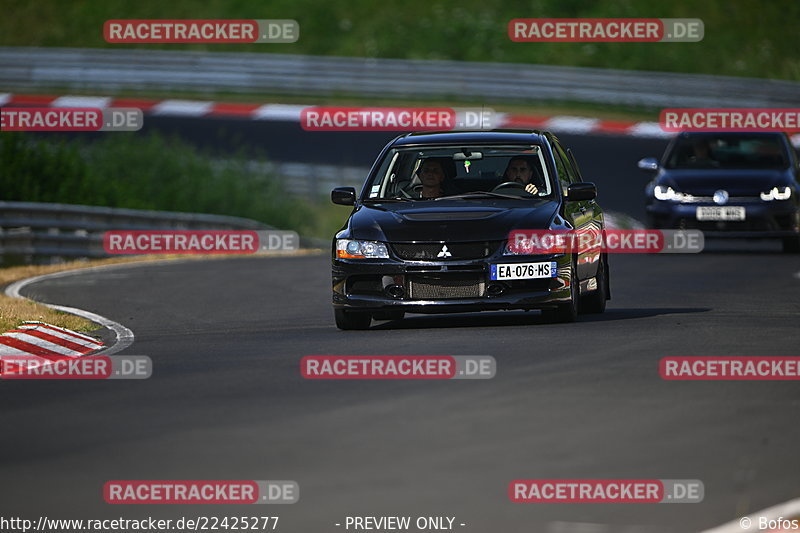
<point>520,170</point>
<point>433,175</point>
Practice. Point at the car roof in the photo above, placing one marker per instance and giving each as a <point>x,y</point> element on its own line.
<point>688,134</point>
<point>474,137</point>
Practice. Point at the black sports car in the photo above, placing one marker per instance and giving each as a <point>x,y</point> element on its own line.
<point>727,185</point>
<point>429,231</point>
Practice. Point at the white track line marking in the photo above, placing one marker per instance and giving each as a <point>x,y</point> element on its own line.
<point>572,124</point>
<point>576,527</point>
<point>34,361</point>
<point>292,113</point>
<point>55,331</point>
<point>101,102</point>
<point>648,129</point>
<point>10,350</point>
<point>279,112</point>
<point>63,336</point>
<point>124,335</point>
<point>188,108</point>
<point>788,510</point>
<point>42,343</point>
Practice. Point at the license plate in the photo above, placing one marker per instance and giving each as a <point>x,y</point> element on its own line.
<point>524,271</point>
<point>728,212</point>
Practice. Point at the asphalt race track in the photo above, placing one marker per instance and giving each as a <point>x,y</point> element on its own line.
<point>570,401</point>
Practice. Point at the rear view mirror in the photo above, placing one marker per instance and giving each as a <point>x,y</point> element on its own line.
<point>466,155</point>
<point>581,191</point>
<point>343,196</point>
<point>648,163</point>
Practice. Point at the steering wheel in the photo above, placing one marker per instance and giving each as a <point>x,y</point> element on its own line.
<point>509,185</point>
<point>404,193</point>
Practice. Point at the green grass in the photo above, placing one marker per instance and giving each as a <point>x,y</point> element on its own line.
<point>742,37</point>
<point>154,172</point>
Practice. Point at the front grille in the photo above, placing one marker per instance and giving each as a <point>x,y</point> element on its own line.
<point>432,251</point>
<point>432,287</point>
<point>689,199</point>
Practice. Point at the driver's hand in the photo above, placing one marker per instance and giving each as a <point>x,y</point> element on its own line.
<point>531,188</point>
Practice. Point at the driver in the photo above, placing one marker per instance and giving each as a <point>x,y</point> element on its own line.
<point>701,153</point>
<point>520,170</point>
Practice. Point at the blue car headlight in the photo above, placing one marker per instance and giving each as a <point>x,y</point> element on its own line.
<point>777,193</point>
<point>669,194</point>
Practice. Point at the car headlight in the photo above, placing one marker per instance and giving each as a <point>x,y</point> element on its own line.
<point>352,249</point>
<point>668,193</point>
<point>547,242</point>
<point>511,249</point>
<point>777,194</point>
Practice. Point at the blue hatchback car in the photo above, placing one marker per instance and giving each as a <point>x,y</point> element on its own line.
<point>727,185</point>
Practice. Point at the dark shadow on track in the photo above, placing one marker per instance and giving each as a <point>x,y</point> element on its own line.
<point>639,312</point>
<point>751,247</point>
<point>506,319</point>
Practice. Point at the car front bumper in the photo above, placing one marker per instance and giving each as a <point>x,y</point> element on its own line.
<point>762,219</point>
<point>445,286</point>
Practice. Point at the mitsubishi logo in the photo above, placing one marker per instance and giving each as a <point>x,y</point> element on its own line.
<point>721,197</point>
<point>445,252</point>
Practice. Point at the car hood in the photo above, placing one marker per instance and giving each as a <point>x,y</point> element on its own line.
<point>738,182</point>
<point>449,220</point>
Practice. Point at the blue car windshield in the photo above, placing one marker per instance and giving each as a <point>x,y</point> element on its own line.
<point>728,151</point>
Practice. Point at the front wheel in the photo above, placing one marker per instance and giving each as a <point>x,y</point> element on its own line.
<point>595,302</point>
<point>346,319</point>
<point>567,312</point>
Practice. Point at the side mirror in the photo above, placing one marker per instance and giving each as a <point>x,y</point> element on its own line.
<point>648,163</point>
<point>343,196</point>
<point>581,191</point>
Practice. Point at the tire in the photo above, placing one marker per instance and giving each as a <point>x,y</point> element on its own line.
<point>595,302</point>
<point>352,319</point>
<point>567,312</point>
<point>389,315</point>
<point>791,245</point>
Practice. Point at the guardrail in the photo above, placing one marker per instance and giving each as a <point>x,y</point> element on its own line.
<point>210,72</point>
<point>44,232</point>
<point>309,179</point>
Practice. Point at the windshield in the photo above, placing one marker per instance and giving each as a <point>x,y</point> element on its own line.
<point>470,172</point>
<point>728,151</point>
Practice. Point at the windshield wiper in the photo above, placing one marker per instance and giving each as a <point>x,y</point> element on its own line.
<point>393,199</point>
<point>482,194</point>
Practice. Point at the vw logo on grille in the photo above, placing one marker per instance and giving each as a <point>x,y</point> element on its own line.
<point>721,197</point>
<point>445,252</point>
